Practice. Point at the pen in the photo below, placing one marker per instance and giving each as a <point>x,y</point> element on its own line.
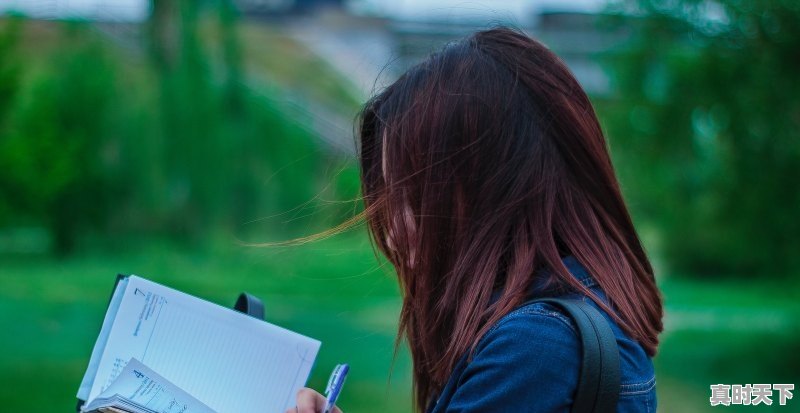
<point>335,383</point>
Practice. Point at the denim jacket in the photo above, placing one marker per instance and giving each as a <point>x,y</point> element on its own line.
<point>529,361</point>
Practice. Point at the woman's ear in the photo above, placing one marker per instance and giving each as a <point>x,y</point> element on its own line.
<point>410,225</point>
<point>401,235</point>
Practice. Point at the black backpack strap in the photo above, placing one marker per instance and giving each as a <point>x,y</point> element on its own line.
<point>249,305</point>
<point>599,382</point>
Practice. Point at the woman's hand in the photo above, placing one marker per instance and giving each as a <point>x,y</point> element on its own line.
<point>309,401</point>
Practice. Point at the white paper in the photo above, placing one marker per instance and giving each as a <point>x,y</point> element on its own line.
<point>100,344</point>
<point>232,362</point>
<point>143,388</point>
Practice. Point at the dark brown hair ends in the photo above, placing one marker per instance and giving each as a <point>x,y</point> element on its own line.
<point>481,165</point>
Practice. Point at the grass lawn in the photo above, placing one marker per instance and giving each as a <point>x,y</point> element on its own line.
<point>332,291</point>
<point>717,332</point>
<point>729,332</point>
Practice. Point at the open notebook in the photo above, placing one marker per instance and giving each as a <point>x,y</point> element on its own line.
<point>161,350</point>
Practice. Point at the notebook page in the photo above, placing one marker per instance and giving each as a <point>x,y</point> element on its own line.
<point>144,388</point>
<point>99,345</point>
<point>228,360</point>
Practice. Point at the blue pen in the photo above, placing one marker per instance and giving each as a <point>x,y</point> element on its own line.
<point>335,383</point>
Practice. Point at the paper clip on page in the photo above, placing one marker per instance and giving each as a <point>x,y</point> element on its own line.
<point>335,383</point>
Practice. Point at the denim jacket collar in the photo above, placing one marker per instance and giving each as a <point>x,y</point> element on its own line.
<point>545,284</point>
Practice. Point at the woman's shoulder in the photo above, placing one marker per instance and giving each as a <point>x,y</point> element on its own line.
<point>541,330</point>
<point>636,365</point>
<point>537,324</point>
<point>532,357</point>
<point>529,358</point>
<point>534,315</point>
<point>541,334</point>
<point>536,320</point>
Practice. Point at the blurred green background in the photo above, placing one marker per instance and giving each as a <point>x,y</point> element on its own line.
<point>160,138</point>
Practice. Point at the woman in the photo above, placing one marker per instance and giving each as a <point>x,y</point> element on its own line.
<point>487,182</point>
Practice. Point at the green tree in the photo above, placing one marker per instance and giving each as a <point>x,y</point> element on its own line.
<point>9,88</point>
<point>97,139</point>
<point>705,131</point>
<point>58,149</point>
<point>230,154</point>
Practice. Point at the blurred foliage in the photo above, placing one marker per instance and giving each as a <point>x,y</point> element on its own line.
<point>174,139</point>
<point>9,87</point>
<point>705,131</point>
<point>55,148</point>
<point>96,139</point>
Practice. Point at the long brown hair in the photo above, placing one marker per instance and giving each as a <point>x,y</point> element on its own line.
<point>481,165</point>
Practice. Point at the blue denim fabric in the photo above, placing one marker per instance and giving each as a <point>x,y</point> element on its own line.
<point>530,360</point>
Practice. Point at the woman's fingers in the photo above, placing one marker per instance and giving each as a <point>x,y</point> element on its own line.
<point>309,401</point>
